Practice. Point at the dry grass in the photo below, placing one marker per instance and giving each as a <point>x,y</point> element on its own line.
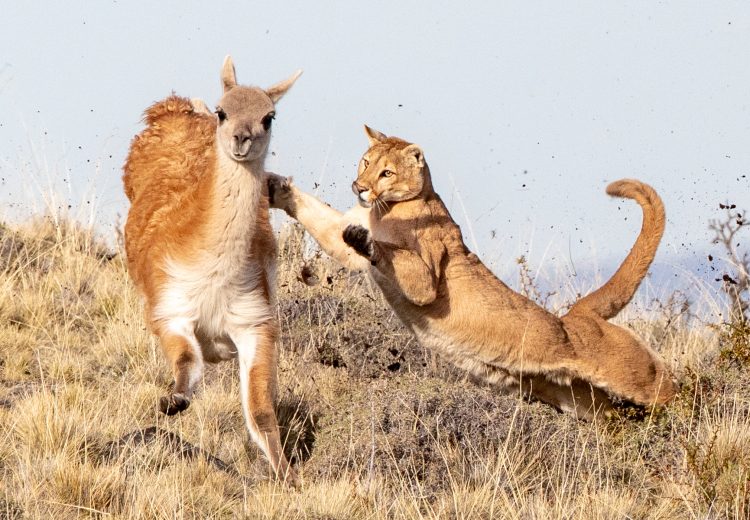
<point>379,427</point>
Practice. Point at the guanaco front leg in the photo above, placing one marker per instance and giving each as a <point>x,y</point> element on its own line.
<point>184,356</point>
<point>256,349</point>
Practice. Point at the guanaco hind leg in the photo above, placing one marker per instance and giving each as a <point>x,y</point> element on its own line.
<point>256,349</point>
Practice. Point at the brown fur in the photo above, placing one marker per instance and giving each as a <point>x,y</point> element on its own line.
<point>200,246</point>
<point>408,242</point>
<point>169,184</point>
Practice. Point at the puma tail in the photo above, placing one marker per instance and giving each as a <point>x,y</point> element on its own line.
<point>610,298</point>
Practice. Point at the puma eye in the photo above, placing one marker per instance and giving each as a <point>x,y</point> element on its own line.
<point>221,114</point>
<point>365,163</point>
<point>386,173</point>
<point>266,121</point>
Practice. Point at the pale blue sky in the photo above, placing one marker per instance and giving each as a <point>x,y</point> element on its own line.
<point>525,110</point>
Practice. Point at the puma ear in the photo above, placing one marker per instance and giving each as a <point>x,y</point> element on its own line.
<point>279,89</point>
<point>414,153</point>
<point>228,77</point>
<point>374,136</point>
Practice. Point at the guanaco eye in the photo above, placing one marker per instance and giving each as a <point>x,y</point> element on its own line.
<point>221,114</point>
<point>386,173</point>
<point>266,121</point>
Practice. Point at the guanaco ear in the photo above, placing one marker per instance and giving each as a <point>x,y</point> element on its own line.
<point>228,77</point>
<point>279,89</point>
<point>374,136</point>
<point>414,153</point>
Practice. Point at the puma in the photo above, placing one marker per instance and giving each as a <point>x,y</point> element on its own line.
<point>402,234</point>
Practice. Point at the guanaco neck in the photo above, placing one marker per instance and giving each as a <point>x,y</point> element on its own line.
<point>236,192</point>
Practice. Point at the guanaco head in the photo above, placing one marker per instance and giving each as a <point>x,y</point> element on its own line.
<point>392,170</point>
<point>245,115</point>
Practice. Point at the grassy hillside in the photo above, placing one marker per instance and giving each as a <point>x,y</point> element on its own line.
<point>379,427</point>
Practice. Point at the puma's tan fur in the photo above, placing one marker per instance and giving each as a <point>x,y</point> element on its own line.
<point>403,235</point>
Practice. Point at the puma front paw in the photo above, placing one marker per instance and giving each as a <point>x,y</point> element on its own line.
<point>358,238</point>
<point>280,194</point>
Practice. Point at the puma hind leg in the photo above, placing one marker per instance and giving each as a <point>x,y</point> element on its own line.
<point>634,371</point>
<point>613,358</point>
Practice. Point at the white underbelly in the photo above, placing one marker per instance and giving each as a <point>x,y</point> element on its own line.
<point>215,297</point>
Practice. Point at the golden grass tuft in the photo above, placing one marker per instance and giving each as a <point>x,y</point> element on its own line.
<point>379,427</point>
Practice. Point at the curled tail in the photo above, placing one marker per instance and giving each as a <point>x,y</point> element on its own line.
<point>610,298</point>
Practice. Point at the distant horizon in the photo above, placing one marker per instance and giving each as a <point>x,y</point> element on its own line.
<point>499,253</point>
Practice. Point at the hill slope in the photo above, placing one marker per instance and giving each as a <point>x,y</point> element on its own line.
<point>380,427</point>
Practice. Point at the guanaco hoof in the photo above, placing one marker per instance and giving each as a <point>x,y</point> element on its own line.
<point>173,404</point>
